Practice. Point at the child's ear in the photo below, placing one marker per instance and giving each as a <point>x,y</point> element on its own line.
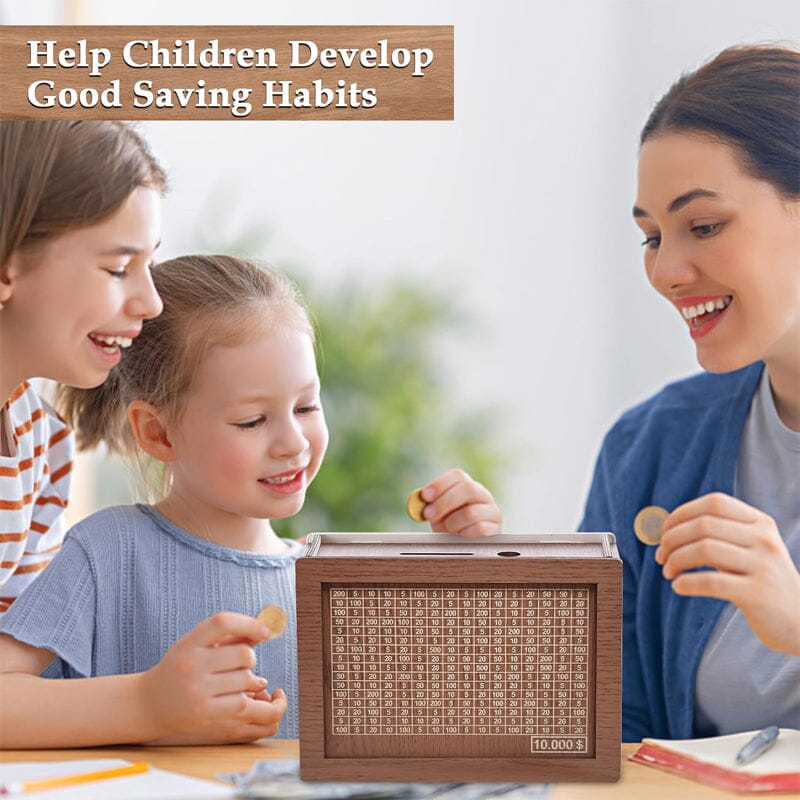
<point>149,430</point>
<point>8,273</point>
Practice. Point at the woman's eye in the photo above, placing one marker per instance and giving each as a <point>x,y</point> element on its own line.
<point>118,273</point>
<point>706,230</point>
<point>250,424</point>
<point>651,242</point>
<point>309,409</point>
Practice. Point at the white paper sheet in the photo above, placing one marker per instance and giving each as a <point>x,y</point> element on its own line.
<point>145,786</point>
<point>783,756</point>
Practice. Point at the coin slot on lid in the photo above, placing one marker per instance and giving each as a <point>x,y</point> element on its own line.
<point>508,553</point>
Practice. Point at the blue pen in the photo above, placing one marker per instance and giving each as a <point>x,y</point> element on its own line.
<point>758,745</point>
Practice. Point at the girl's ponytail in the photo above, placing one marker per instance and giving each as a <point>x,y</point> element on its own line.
<point>98,415</point>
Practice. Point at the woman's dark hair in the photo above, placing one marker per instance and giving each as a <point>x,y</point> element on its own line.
<point>749,97</point>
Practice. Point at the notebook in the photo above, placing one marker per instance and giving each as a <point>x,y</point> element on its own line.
<point>154,783</point>
<point>712,761</point>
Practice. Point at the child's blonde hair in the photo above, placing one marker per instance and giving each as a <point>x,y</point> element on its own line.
<point>56,175</point>
<point>208,301</point>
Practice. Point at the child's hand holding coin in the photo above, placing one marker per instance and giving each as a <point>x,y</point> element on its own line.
<point>456,503</point>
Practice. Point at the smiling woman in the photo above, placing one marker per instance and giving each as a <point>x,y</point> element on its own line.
<point>711,631</point>
<point>80,220</point>
<point>708,246</point>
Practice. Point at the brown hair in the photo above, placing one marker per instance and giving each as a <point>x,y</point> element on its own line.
<point>749,97</point>
<point>62,175</point>
<point>208,301</point>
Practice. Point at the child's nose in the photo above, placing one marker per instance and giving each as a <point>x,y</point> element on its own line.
<point>144,302</point>
<point>289,440</point>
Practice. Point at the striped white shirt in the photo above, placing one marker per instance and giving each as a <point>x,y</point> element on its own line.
<point>34,488</point>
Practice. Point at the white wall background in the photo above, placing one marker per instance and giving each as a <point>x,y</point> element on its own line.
<point>524,200</point>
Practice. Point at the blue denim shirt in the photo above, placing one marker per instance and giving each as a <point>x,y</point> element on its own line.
<point>676,446</point>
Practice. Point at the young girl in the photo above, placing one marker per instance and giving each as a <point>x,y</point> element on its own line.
<point>80,218</point>
<point>714,651</point>
<point>221,389</point>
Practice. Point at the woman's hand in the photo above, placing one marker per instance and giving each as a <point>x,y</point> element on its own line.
<point>455,503</point>
<point>751,566</point>
<point>203,690</point>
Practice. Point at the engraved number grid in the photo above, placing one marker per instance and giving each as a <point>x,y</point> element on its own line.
<point>468,660</point>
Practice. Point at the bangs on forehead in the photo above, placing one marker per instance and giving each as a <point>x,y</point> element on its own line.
<point>222,327</point>
<point>227,328</point>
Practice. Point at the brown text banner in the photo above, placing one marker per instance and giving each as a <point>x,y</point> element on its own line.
<point>357,72</point>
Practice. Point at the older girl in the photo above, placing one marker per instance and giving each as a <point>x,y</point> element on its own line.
<point>80,221</point>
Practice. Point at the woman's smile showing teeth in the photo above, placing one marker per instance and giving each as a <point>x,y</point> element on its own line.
<point>690,312</point>
<point>703,313</point>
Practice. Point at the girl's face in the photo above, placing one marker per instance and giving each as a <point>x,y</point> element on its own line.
<point>70,310</point>
<point>723,247</point>
<point>252,434</point>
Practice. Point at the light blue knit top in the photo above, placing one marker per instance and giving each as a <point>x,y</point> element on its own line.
<point>128,583</point>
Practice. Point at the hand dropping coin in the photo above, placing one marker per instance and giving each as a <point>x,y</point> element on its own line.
<point>648,524</point>
<point>273,618</point>
<point>415,505</point>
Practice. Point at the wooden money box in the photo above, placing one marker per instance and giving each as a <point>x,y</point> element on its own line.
<point>427,657</point>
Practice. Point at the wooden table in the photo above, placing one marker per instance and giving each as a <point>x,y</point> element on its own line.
<point>637,783</point>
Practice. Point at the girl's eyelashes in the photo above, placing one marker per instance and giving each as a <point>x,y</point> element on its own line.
<point>250,424</point>
<point>121,272</point>
<point>651,242</point>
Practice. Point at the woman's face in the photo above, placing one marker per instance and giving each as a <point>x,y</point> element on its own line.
<point>723,248</point>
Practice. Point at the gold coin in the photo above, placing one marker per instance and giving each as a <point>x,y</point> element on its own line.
<point>648,524</point>
<point>273,618</point>
<point>415,505</point>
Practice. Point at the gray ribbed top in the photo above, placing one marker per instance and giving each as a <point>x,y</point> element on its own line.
<point>128,583</point>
